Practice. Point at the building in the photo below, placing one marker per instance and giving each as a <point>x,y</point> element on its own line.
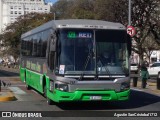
<point>11,9</point>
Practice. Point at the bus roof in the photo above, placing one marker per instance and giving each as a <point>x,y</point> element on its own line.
<point>76,23</point>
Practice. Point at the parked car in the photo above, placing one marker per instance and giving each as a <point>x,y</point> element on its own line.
<point>134,68</point>
<point>154,70</point>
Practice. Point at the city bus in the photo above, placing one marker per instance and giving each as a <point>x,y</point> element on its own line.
<point>77,60</point>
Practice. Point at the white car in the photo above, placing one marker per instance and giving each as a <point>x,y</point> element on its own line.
<point>134,68</point>
<point>154,70</point>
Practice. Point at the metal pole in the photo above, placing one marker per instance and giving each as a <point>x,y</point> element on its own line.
<point>0,85</point>
<point>129,13</point>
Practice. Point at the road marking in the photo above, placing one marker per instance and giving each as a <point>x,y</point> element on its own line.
<point>17,90</point>
<point>136,89</point>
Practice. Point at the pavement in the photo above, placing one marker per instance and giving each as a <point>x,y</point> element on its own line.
<point>150,88</point>
<point>7,94</point>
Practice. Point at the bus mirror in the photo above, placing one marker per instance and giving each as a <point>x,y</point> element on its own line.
<point>53,40</point>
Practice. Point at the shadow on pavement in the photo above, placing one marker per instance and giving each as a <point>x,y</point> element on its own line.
<point>137,99</point>
<point>4,73</point>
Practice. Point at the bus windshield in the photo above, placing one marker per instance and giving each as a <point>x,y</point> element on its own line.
<point>91,52</point>
<point>112,55</point>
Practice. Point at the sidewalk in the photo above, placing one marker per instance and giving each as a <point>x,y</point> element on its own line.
<point>15,70</point>
<point>6,95</point>
<point>150,88</point>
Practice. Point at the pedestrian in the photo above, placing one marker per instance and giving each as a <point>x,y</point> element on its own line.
<point>144,75</point>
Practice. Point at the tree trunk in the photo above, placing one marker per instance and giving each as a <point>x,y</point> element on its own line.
<point>141,58</point>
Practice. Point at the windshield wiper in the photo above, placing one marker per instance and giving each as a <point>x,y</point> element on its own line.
<point>86,63</point>
<point>106,68</point>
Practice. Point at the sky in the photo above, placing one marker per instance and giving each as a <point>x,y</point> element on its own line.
<point>51,1</point>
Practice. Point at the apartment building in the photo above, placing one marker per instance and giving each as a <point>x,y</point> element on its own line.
<point>11,9</point>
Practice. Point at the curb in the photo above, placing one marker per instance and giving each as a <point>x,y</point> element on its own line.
<point>152,88</point>
<point>152,84</point>
<point>148,82</point>
<point>8,97</point>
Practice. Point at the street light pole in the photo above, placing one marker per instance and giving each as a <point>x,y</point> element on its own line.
<point>129,13</point>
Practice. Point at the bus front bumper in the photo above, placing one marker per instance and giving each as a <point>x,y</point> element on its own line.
<point>60,96</point>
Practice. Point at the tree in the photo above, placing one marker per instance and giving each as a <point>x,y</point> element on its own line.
<point>120,11</point>
<point>144,12</point>
<point>12,34</point>
<point>61,9</point>
<point>144,19</point>
<point>102,10</point>
<point>83,9</point>
<point>150,45</point>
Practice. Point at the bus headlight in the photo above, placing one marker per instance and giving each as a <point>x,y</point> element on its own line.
<point>61,87</point>
<point>125,86</point>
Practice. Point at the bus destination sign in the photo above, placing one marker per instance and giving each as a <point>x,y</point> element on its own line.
<point>79,35</point>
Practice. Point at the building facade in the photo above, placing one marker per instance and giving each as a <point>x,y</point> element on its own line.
<point>11,9</point>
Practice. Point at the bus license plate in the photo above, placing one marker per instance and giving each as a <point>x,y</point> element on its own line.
<point>95,97</point>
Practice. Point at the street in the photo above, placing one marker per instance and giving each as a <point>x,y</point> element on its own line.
<point>30,100</point>
<point>139,101</point>
<point>80,59</point>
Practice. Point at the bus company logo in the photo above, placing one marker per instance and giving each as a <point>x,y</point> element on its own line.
<point>6,114</point>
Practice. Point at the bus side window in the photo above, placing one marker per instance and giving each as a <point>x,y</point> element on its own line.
<point>45,36</point>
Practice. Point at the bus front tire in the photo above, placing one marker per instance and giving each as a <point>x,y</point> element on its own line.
<point>28,87</point>
<point>45,91</point>
<point>49,101</point>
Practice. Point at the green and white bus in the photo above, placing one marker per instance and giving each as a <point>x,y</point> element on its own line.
<point>77,60</point>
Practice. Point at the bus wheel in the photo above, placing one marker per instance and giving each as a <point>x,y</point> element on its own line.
<point>45,91</point>
<point>25,77</point>
<point>49,101</point>
<point>28,87</point>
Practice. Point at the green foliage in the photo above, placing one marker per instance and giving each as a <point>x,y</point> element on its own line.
<point>145,18</point>
<point>12,34</point>
<point>62,9</point>
<point>103,10</point>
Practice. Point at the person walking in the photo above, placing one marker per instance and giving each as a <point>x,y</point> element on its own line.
<point>144,75</point>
